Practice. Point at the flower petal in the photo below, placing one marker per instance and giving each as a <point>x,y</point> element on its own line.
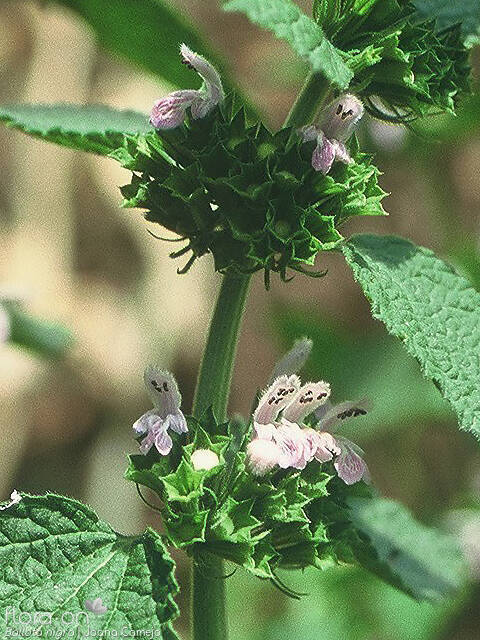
<point>163,442</point>
<point>206,71</point>
<point>163,391</point>
<point>146,422</point>
<point>265,431</point>
<point>337,414</point>
<point>290,440</point>
<point>339,118</point>
<point>169,112</point>
<point>327,447</point>
<point>147,443</point>
<point>309,133</point>
<point>278,395</point>
<point>351,468</point>
<point>293,360</point>
<point>262,456</point>
<point>310,396</point>
<point>177,422</point>
<point>341,153</point>
<point>323,155</point>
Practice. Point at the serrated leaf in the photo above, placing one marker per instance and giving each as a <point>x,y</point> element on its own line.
<point>432,309</point>
<point>55,554</point>
<point>147,33</point>
<point>184,484</point>
<point>424,562</point>
<point>48,339</point>
<point>305,37</point>
<point>95,128</point>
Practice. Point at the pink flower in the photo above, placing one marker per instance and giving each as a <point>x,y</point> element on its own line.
<point>336,124</point>
<point>169,112</point>
<point>154,424</point>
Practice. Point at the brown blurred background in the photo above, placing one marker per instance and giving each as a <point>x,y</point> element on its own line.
<point>82,260</point>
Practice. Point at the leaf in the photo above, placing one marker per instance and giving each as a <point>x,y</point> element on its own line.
<point>424,562</point>
<point>55,554</point>
<point>45,338</point>
<point>432,309</point>
<point>147,33</point>
<point>95,128</point>
<point>307,39</point>
<point>451,12</point>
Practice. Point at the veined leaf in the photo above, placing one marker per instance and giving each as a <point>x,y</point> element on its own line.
<point>147,33</point>
<point>450,12</point>
<point>287,21</point>
<point>424,562</point>
<point>95,128</point>
<point>55,554</point>
<point>432,309</point>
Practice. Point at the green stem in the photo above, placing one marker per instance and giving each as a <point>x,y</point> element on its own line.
<point>213,387</point>
<point>312,96</point>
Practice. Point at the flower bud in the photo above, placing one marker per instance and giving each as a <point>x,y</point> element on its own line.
<point>204,460</point>
<point>262,456</point>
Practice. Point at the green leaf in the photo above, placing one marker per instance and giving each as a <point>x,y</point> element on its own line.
<point>287,21</point>
<point>432,309</point>
<point>424,562</point>
<point>95,128</point>
<point>45,338</point>
<point>55,554</point>
<point>451,12</point>
<point>147,33</point>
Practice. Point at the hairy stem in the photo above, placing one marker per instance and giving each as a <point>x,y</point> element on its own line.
<point>213,387</point>
<point>312,96</point>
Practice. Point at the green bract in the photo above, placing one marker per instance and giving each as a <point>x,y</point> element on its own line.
<point>287,519</point>
<point>243,194</point>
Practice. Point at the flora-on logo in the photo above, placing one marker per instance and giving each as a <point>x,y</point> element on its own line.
<point>95,606</point>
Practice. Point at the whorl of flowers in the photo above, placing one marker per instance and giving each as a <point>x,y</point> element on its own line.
<point>253,199</point>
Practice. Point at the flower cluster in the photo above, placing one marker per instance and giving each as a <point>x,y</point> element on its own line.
<point>282,439</point>
<point>277,499</point>
<point>253,199</point>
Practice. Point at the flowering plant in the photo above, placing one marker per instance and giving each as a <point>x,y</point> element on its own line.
<point>280,489</point>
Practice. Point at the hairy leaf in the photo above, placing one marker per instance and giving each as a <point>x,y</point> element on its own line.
<point>432,309</point>
<point>95,128</point>
<point>287,21</point>
<point>55,554</point>
<point>147,33</point>
<point>424,562</point>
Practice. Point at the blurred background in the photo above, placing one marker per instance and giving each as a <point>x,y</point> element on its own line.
<point>81,260</point>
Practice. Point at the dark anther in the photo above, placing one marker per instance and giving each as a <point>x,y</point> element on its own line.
<point>165,386</point>
<point>322,395</point>
<point>188,64</point>
<point>339,109</point>
<point>156,386</point>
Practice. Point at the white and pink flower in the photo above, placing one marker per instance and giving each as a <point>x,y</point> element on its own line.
<point>166,414</point>
<point>335,125</point>
<point>169,112</point>
<point>282,440</point>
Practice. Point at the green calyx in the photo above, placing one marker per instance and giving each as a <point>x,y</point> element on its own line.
<point>245,195</point>
<point>403,66</point>
<point>260,524</point>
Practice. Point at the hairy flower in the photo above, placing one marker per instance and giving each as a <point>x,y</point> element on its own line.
<point>282,439</point>
<point>169,112</point>
<point>15,498</point>
<point>335,125</point>
<point>204,459</point>
<point>166,414</point>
